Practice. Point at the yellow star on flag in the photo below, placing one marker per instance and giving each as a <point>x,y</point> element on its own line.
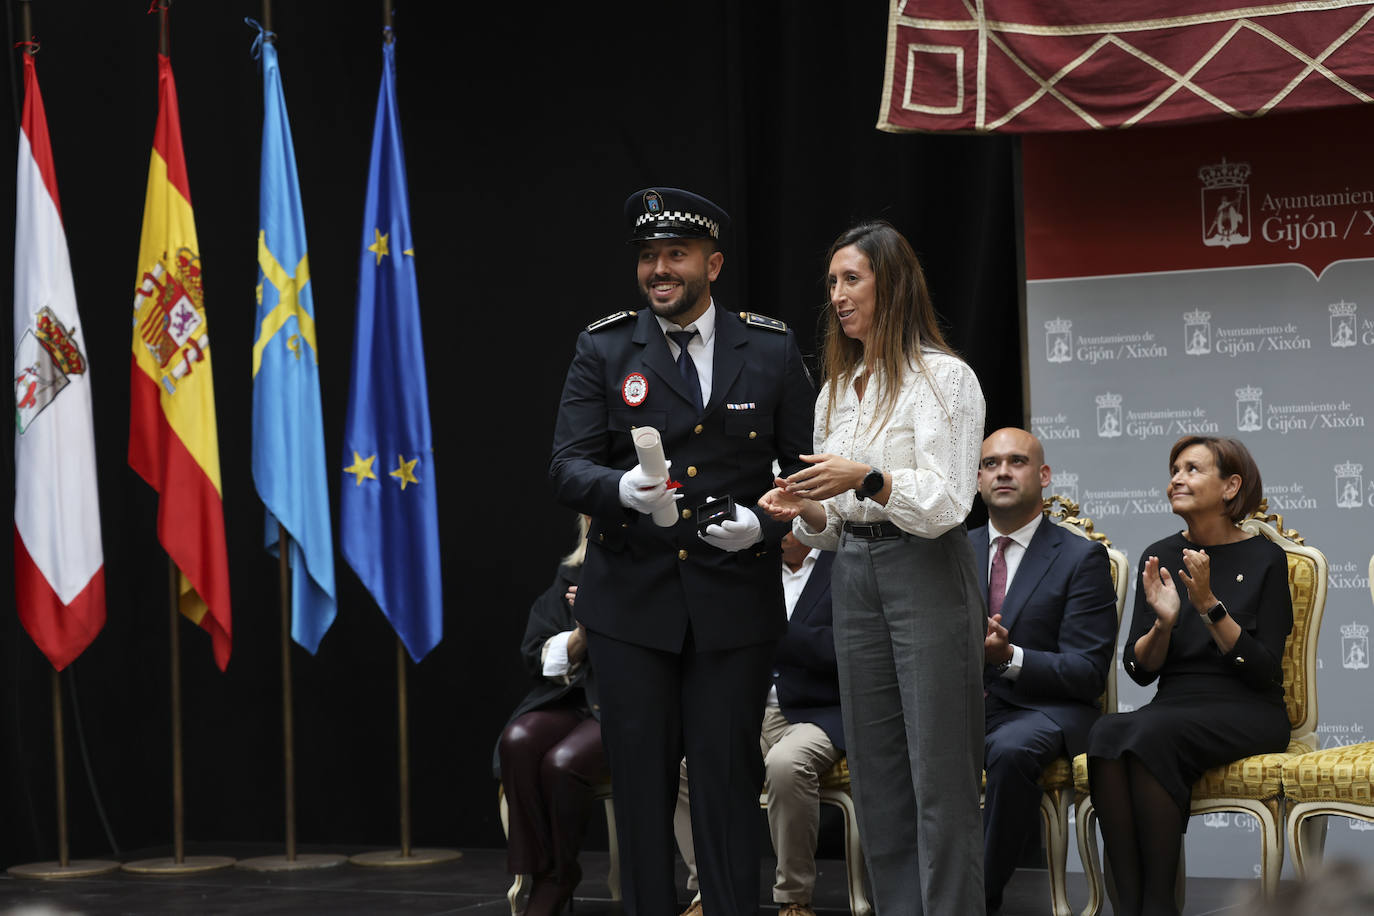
<point>379,247</point>
<point>405,470</point>
<point>361,468</point>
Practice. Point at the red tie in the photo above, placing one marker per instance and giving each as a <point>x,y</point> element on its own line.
<point>997,581</point>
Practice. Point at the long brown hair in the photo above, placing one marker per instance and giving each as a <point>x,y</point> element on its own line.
<point>904,319</point>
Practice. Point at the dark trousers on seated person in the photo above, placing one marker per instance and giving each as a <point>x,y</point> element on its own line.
<point>551,762</point>
<point>1020,743</point>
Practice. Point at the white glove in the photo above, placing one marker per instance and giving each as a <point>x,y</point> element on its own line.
<point>736,533</point>
<point>644,492</point>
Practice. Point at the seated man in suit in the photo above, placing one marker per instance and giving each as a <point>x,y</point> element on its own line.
<point>1049,645</point>
<point>802,736</point>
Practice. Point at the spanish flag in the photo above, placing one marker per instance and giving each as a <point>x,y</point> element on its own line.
<point>173,443</point>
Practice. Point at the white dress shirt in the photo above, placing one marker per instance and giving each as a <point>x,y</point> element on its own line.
<point>793,584</point>
<point>700,348</point>
<point>931,454</point>
<point>1011,555</point>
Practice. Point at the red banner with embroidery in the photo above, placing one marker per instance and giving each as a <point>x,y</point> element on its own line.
<point>1035,66</point>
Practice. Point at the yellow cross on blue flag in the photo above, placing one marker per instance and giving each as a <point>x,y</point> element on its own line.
<point>289,466</point>
<point>389,516</point>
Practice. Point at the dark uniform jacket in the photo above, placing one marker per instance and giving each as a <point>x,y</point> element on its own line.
<point>1060,608</point>
<point>643,584</point>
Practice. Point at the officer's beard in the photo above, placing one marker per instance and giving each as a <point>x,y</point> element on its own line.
<point>691,293</point>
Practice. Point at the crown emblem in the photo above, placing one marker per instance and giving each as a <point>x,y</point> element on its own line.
<point>1342,308</point>
<point>1109,400</point>
<point>1249,393</point>
<point>1354,630</point>
<point>1349,469</point>
<point>1058,325</point>
<point>1197,316</point>
<point>1224,174</point>
<point>1066,479</point>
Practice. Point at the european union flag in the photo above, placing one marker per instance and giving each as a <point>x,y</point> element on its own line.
<point>289,466</point>
<point>390,517</point>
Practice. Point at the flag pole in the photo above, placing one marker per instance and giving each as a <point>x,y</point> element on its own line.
<point>178,864</point>
<point>291,861</point>
<point>406,855</point>
<point>64,867</point>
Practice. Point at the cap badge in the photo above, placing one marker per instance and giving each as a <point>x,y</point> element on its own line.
<point>653,203</point>
<point>634,389</point>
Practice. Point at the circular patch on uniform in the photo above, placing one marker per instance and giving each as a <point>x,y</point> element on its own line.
<point>634,389</point>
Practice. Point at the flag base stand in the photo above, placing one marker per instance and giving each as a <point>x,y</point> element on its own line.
<point>168,865</point>
<point>395,857</point>
<point>80,868</point>
<point>302,862</point>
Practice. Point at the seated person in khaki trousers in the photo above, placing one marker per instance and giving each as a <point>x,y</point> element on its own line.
<point>802,733</point>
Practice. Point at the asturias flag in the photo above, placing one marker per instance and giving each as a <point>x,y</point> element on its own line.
<point>173,441</point>
<point>59,568</point>
<point>389,514</point>
<point>289,466</point>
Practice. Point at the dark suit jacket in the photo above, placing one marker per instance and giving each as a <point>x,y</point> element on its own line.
<point>642,584</point>
<point>1061,610</point>
<point>804,669</point>
<point>550,615</point>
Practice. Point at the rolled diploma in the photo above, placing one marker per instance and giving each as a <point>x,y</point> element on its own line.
<point>649,448</point>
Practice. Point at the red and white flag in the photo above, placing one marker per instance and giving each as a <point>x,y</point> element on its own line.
<point>59,568</point>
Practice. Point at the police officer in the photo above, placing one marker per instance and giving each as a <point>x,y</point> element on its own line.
<point>682,619</point>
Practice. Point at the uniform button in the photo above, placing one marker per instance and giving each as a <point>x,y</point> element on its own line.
<point>632,426</point>
<point>624,524</point>
<point>682,554</point>
<point>596,707</point>
<point>753,435</point>
<point>691,472</point>
<point>697,429</point>
<point>686,513</point>
<point>601,537</point>
<point>1239,660</point>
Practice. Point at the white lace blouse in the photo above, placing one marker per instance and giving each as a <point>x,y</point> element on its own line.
<point>931,454</point>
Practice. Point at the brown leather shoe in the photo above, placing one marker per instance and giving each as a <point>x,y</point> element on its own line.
<point>796,909</point>
<point>693,910</point>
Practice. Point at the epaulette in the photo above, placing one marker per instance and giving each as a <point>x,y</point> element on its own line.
<point>763,321</point>
<point>609,320</point>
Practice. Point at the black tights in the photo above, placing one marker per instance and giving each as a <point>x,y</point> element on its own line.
<point>1142,833</point>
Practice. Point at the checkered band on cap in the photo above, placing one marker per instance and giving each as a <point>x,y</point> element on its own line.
<point>670,218</point>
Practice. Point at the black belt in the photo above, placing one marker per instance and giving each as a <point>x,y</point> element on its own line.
<point>874,531</point>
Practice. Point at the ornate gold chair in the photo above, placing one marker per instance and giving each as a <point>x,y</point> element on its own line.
<point>1251,785</point>
<point>1338,780</point>
<point>1057,779</point>
<point>603,794</point>
<point>835,791</point>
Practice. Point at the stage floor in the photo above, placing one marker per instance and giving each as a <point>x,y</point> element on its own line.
<point>475,884</point>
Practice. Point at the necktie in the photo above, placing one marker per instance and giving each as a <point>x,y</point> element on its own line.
<point>997,580</point>
<point>686,366</point>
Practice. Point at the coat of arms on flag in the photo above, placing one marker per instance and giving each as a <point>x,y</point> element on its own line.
<point>169,311</point>
<point>46,355</point>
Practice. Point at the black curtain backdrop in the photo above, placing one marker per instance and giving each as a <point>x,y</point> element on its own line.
<point>525,129</point>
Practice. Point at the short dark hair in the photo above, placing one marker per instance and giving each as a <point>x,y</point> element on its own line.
<point>1231,457</point>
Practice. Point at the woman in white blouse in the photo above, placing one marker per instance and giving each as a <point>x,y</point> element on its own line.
<point>899,426</point>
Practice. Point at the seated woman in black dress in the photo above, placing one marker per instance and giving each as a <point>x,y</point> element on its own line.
<point>549,758</point>
<point>1211,616</point>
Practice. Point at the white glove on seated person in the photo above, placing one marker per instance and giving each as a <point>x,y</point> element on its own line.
<point>736,533</point>
<point>645,492</point>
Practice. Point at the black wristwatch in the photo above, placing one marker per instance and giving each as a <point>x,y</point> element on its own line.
<point>872,484</point>
<point>1217,612</point>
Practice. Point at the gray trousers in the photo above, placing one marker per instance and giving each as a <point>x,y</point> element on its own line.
<point>909,627</point>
